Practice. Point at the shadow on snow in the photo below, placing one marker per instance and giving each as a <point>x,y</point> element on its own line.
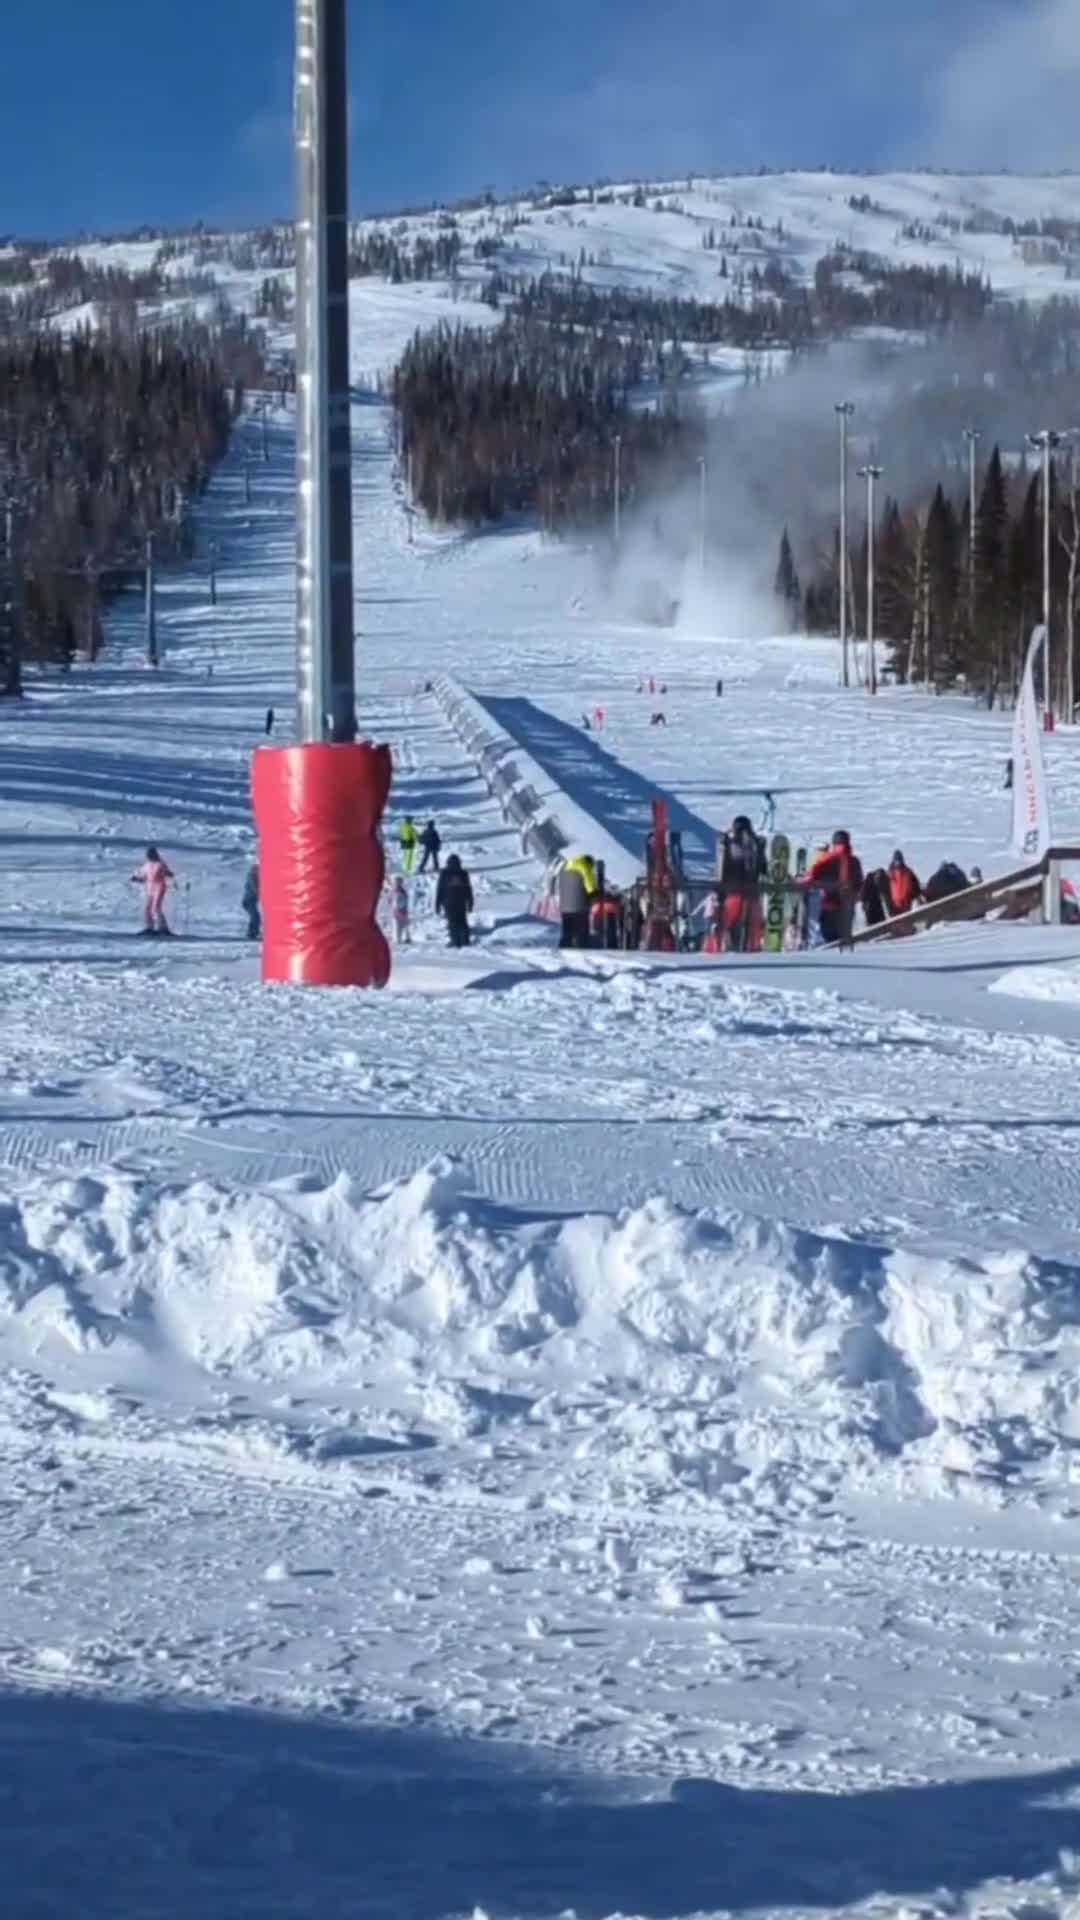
<point>125,1809</point>
<point>618,799</point>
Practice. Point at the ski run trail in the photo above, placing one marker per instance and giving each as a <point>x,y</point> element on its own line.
<point>570,1435</point>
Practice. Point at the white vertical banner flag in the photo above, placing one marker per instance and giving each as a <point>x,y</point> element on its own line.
<point>1031,804</point>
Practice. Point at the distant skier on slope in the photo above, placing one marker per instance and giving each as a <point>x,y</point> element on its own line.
<point>399,912</point>
<point>407,839</point>
<point>155,878</point>
<point>249,900</point>
<point>454,898</point>
<point>431,842</point>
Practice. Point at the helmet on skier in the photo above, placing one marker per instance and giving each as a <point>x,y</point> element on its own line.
<point>842,838</point>
<point>152,853</point>
<point>741,824</point>
<point>898,859</point>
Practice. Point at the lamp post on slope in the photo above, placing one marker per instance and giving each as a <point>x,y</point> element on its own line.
<point>319,803</point>
<point>972,435</point>
<point>1045,443</point>
<point>871,475</point>
<point>845,409</point>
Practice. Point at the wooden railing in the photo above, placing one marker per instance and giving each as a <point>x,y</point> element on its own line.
<point>1017,893</point>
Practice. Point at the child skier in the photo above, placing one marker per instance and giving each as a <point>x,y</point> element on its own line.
<point>154,877</point>
<point>399,910</point>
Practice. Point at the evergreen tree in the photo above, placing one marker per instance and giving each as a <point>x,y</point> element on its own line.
<point>895,588</point>
<point>942,554</point>
<point>787,588</point>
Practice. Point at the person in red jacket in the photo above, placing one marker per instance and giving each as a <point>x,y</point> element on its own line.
<point>838,876</point>
<point>905,891</point>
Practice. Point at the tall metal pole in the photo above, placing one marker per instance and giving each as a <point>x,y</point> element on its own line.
<point>1071,611</point>
<point>12,687</point>
<point>871,475</point>
<point>703,503</point>
<point>150,616</point>
<point>972,435</point>
<point>325,672</point>
<point>845,408</point>
<point>617,505</point>
<point>1045,442</point>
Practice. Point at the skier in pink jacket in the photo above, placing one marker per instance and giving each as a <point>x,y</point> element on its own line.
<point>154,877</point>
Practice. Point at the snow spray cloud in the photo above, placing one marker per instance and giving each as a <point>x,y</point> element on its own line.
<point>772,455</point>
<point>771,462</point>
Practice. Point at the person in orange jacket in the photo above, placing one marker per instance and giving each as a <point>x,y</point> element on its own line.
<point>838,876</point>
<point>905,891</point>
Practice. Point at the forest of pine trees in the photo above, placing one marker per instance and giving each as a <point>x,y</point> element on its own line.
<point>524,418</point>
<point>102,443</point>
<point>960,610</point>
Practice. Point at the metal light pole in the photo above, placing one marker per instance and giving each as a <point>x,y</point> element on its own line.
<point>150,614</point>
<point>972,435</point>
<point>12,687</point>
<point>703,502</point>
<point>319,803</point>
<point>91,611</point>
<point>617,504</point>
<point>326,694</point>
<point>871,475</point>
<point>1045,443</point>
<point>845,409</point>
<point>1071,611</point>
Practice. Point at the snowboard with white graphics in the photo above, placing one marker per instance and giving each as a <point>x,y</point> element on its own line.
<point>776,892</point>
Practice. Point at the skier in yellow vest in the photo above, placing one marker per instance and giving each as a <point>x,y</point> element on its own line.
<point>408,838</point>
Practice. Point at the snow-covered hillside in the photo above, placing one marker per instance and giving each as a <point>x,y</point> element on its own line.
<point>688,237</point>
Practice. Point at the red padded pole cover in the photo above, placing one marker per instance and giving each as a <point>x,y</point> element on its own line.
<point>321,869</point>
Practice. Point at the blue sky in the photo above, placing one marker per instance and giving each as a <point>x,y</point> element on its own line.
<point>167,111</point>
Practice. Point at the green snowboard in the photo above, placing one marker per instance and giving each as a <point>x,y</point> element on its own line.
<point>776,895</point>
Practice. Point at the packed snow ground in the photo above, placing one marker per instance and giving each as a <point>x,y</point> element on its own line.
<point>569,1434</point>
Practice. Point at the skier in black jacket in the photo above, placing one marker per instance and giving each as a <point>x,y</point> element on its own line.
<point>743,867</point>
<point>454,898</point>
<point>431,843</point>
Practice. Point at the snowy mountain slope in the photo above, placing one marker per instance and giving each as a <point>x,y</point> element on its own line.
<point>931,219</point>
<point>663,1374</point>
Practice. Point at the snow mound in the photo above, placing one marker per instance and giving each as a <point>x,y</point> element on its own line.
<point>666,1351</point>
<point>1046,983</point>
